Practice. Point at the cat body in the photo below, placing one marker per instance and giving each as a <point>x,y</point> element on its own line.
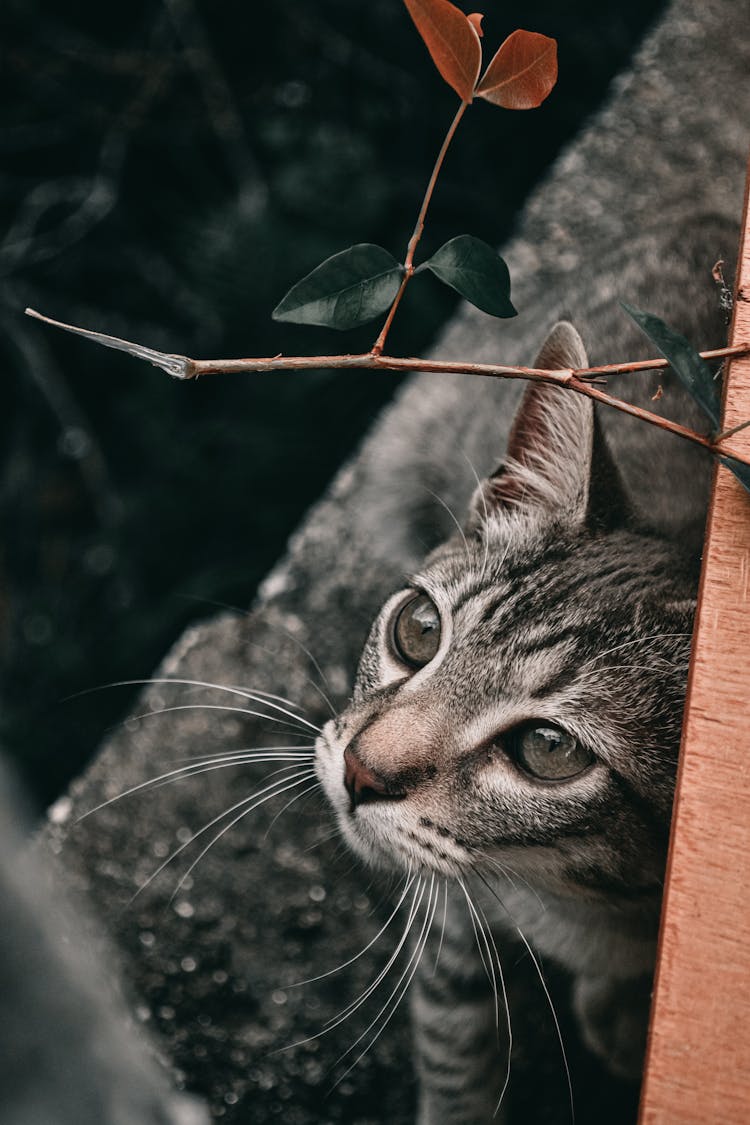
<point>639,208</point>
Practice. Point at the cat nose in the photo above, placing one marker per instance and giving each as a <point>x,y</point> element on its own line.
<point>363,784</point>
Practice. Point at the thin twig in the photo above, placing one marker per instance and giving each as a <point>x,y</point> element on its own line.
<point>182,367</point>
<point>734,430</point>
<point>379,344</point>
<point>656,364</point>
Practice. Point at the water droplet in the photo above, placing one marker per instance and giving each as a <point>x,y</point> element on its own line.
<point>99,559</point>
<point>37,629</point>
<point>293,94</point>
<point>74,442</point>
<point>60,811</point>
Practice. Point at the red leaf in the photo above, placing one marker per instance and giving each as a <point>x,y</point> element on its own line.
<point>452,40</point>
<point>522,73</point>
<point>476,22</point>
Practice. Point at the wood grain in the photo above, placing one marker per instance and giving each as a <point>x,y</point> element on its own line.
<point>698,1059</point>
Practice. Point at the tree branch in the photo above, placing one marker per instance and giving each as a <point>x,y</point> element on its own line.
<point>578,380</point>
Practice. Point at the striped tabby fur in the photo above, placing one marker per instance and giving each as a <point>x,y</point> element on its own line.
<point>555,608</point>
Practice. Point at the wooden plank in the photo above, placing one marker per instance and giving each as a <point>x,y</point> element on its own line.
<point>698,1057</point>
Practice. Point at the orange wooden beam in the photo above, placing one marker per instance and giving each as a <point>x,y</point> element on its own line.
<point>698,1057</point>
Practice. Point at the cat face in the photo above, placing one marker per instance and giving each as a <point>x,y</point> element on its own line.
<point>519,700</point>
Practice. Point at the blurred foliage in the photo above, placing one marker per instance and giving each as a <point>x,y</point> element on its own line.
<point>170,168</point>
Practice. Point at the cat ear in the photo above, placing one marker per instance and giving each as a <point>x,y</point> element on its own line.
<point>557,460</point>
<point>608,506</point>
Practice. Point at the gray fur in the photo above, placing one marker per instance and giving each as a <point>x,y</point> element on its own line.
<point>640,207</point>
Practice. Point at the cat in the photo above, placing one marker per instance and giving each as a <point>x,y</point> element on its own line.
<point>516,714</point>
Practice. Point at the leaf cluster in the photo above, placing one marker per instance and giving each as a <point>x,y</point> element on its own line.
<point>363,282</point>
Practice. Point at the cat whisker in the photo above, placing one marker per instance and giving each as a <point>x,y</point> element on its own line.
<point>282,810</point>
<point>291,784</point>
<point>197,770</point>
<point>634,641</point>
<point>408,973</point>
<point>221,707</point>
<point>299,747</point>
<point>342,849</point>
<point>274,625</point>
<point>166,680</point>
<point>255,695</point>
<point>324,839</point>
<point>408,882</point>
<point>326,699</point>
<point>203,765</point>
<point>485,562</point>
<point>308,679</point>
<point>349,1010</point>
<point>269,789</point>
<point>490,935</point>
<point>485,954</point>
<point>500,868</point>
<point>545,989</point>
<point>481,926</point>
<point>352,1007</point>
<point>543,983</point>
<point>393,882</point>
<point>442,927</point>
<point>303,648</point>
<point>453,517</point>
<point>241,611</point>
<point>507,871</point>
<point>660,662</point>
<point>264,698</point>
<point>482,954</point>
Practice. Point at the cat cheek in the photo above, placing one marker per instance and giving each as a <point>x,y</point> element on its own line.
<point>328,767</point>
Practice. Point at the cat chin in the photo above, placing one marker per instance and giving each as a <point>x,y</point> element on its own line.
<point>398,854</point>
<point>387,848</point>
<point>370,852</point>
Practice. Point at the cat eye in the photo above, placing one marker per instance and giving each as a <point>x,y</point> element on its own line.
<point>416,631</point>
<point>550,753</point>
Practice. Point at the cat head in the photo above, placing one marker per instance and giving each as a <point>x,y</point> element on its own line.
<point>520,699</point>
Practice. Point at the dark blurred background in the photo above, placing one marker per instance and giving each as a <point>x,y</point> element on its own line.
<point>169,168</point>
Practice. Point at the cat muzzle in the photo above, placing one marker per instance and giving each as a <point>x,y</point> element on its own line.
<point>364,785</point>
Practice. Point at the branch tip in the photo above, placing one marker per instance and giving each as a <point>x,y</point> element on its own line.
<point>178,366</point>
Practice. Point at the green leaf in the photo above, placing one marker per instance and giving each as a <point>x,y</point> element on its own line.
<point>476,271</point>
<point>740,470</point>
<point>345,291</point>
<point>692,371</point>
